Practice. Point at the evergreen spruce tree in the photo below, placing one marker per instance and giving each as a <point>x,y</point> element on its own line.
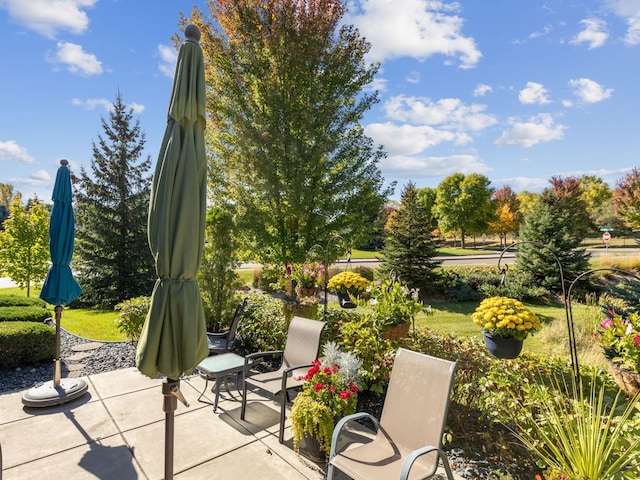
<point>112,255</point>
<point>549,223</point>
<point>408,250</point>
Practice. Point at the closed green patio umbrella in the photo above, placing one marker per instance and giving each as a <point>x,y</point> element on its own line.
<point>60,288</point>
<point>173,339</point>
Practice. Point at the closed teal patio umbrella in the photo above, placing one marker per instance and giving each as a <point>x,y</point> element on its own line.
<point>173,339</point>
<point>60,288</point>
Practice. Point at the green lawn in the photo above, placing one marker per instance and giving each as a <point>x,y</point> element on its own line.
<point>86,323</point>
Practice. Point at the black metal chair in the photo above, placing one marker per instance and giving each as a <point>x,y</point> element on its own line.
<point>222,342</point>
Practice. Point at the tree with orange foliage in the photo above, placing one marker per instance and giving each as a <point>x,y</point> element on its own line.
<point>626,198</point>
<point>508,216</point>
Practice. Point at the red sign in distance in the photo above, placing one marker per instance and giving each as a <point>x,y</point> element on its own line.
<point>606,236</point>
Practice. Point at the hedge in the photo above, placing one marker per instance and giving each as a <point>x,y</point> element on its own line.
<point>25,343</point>
<point>23,314</point>
<point>20,301</point>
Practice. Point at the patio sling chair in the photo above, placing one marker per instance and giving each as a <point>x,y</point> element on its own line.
<point>301,348</point>
<point>222,342</point>
<point>408,441</point>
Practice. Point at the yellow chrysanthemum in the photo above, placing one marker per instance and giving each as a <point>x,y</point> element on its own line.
<point>507,317</point>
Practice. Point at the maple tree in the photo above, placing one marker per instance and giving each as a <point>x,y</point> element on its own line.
<point>286,95</point>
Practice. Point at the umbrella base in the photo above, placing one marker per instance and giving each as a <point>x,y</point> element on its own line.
<point>46,395</point>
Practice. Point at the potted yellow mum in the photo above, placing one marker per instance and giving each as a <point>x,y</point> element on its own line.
<point>505,323</point>
<point>345,284</point>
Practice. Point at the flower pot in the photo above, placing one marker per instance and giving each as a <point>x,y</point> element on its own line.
<point>396,332</point>
<point>306,291</point>
<point>309,448</point>
<point>502,347</point>
<point>345,300</point>
<point>627,380</point>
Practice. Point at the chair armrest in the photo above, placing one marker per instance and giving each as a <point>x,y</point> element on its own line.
<point>250,359</point>
<point>287,371</point>
<point>340,425</point>
<point>413,456</point>
<point>217,334</point>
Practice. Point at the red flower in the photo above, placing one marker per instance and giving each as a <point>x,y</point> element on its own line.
<point>353,387</point>
<point>332,388</point>
<point>345,395</point>
<point>327,370</point>
<point>317,387</point>
<point>636,340</point>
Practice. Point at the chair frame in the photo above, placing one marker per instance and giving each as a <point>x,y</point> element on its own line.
<point>287,374</point>
<point>230,335</point>
<point>410,457</point>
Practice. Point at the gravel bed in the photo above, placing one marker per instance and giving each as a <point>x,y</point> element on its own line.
<point>109,356</point>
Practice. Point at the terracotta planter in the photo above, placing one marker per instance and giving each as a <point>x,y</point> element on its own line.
<point>306,292</point>
<point>627,380</point>
<point>397,332</point>
<point>502,347</point>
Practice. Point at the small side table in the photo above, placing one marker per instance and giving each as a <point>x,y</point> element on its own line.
<point>220,368</point>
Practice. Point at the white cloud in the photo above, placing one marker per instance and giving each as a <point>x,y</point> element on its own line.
<point>537,129</point>
<point>419,166</point>
<point>378,84</point>
<point>594,33</point>
<point>76,60</point>
<point>449,113</point>
<point>37,179</point>
<point>518,184</point>
<point>420,29</point>
<point>93,103</point>
<point>481,90</point>
<point>168,58</point>
<point>47,17</point>
<point>409,139</point>
<point>589,91</point>
<point>137,107</point>
<point>534,93</point>
<point>10,150</point>
<point>545,31</point>
<point>629,10</point>
<point>413,77</point>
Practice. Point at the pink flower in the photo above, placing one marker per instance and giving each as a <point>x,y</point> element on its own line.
<point>636,340</point>
<point>608,323</point>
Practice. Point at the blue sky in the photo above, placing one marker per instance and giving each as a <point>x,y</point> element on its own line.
<point>519,91</point>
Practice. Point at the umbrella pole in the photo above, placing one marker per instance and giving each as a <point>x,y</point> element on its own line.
<point>57,373</point>
<point>171,392</point>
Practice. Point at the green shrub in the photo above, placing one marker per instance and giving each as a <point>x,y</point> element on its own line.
<point>20,301</point>
<point>271,278</point>
<point>364,271</point>
<point>133,313</point>
<point>25,343</point>
<point>23,314</point>
<point>363,337</point>
<point>334,319</point>
<point>263,326</point>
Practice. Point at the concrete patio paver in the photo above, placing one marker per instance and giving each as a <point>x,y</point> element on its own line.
<point>117,430</point>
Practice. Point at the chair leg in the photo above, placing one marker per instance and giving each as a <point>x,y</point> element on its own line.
<point>243,408</point>
<point>330,471</point>
<point>283,407</point>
